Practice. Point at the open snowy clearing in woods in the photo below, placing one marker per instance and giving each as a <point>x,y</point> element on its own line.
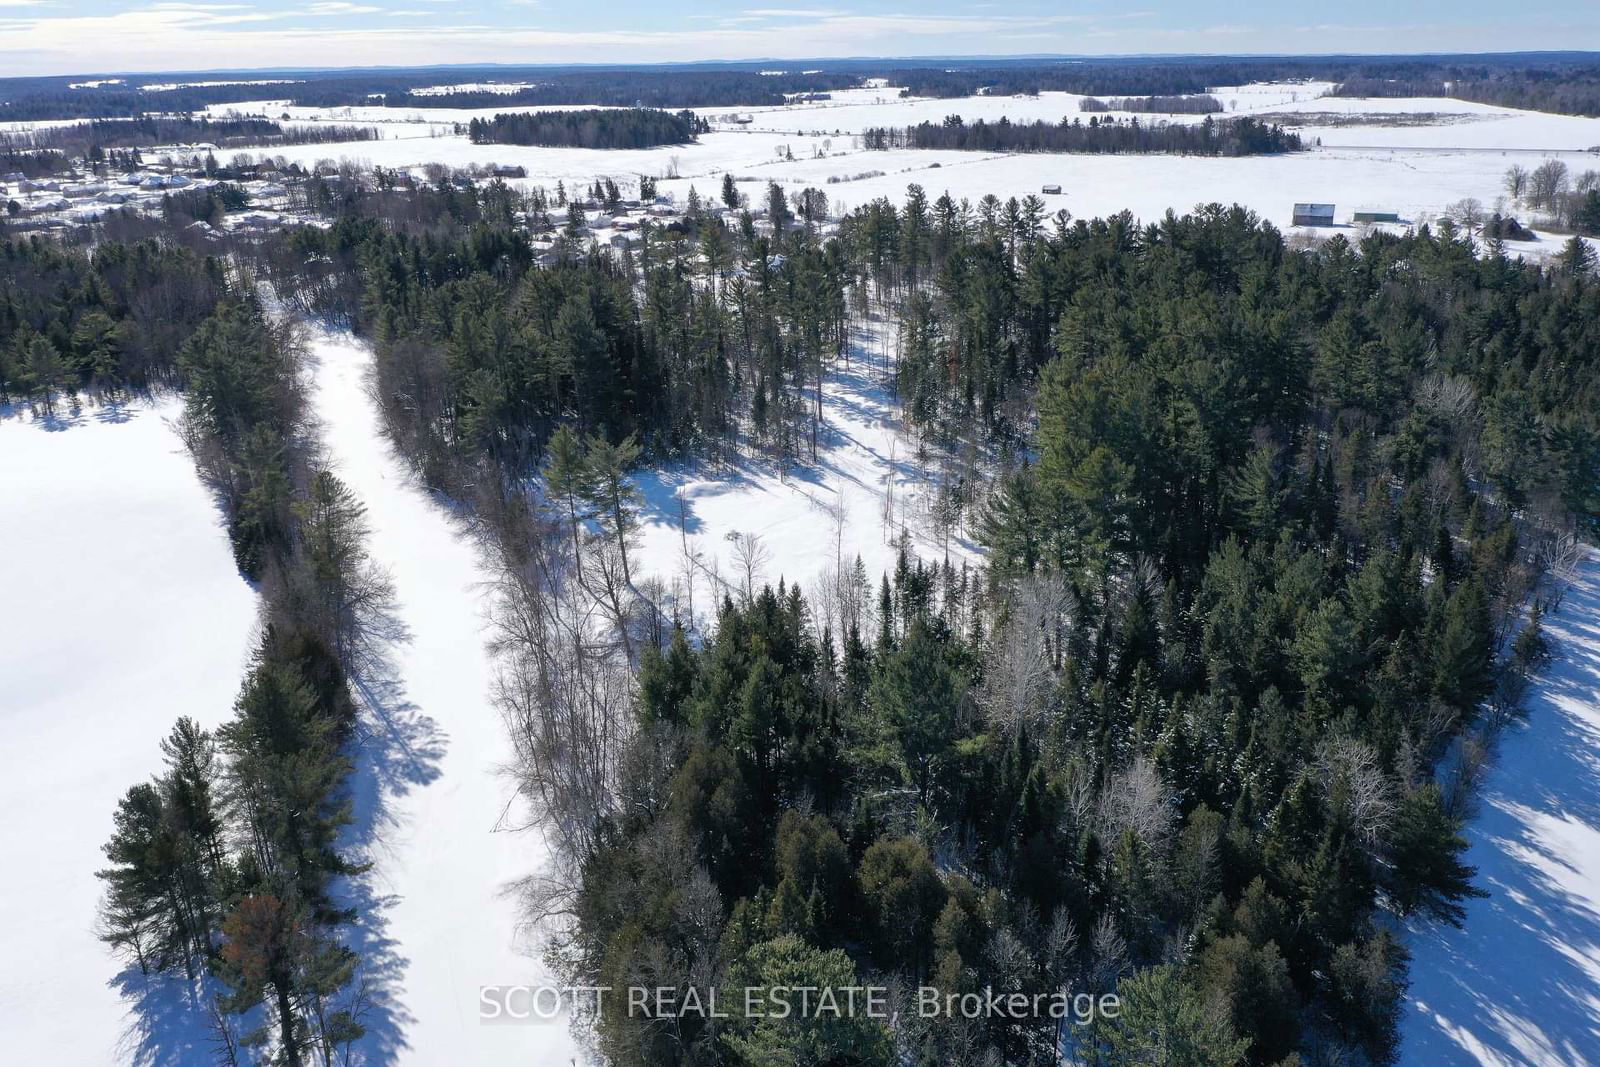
<point>437,819</point>
<point>1520,983</point>
<point>124,611</point>
<point>866,489</point>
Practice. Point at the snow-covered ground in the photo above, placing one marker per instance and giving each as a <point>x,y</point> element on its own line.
<point>123,611</point>
<point>1520,983</point>
<point>1411,156</point>
<point>865,489</point>
<point>441,819</point>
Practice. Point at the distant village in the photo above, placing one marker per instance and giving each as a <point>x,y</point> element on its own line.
<point>253,195</point>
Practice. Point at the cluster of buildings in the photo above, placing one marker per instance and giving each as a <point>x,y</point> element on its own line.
<point>82,196</point>
<point>1323,215</point>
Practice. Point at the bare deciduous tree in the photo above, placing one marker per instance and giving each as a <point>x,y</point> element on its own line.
<point>1516,182</point>
<point>751,555</point>
<point>1351,772</point>
<point>1021,674</point>
<point>1137,799</point>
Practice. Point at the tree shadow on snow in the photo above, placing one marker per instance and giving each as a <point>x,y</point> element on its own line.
<point>168,1025</point>
<point>398,749</point>
<point>1521,982</point>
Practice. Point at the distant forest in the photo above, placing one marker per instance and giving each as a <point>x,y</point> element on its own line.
<point>1234,137</point>
<point>645,89</point>
<point>87,139</point>
<point>1548,81</point>
<point>597,128</point>
<point>1567,92</point>
<point>1193,104</point>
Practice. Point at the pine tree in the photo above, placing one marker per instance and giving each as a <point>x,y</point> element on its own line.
<point>611,494</point>
<point>1163,1020</point>
<point>1462,657</point>
<point>917,693</point>
<point>569,481</point>
<point>1425,872</point>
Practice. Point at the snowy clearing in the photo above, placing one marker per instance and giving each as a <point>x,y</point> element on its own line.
<point>1521,982</point>
<point>125,612</point>
<point>864,491</point>
<point>441,821</point>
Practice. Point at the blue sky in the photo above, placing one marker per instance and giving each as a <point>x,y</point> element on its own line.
<point>91,36</point>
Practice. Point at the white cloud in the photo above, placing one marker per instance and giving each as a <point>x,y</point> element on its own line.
<point>337,7</point>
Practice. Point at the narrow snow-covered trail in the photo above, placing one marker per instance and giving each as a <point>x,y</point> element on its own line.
<point>439,814</point>
<point>120,610</point>
<point>1520,984</point>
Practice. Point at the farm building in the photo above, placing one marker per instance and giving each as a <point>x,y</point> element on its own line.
<point>1313,215</point>
<point>1376,216</point>
<point>1051,190</point>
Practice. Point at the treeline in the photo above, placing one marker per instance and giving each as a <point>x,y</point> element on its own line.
<point>1196,104</point>
<point>596,128</point>
<point>103,324</point>
<point>1229,137</point>
<point>33,99</point>
<point>1568,201</point>
<point>1537,77</point>
<point>222,870</point>
<point>1563,89</point>
<point>30,162</point>
<point>93,140</point>
<point>1572,93</point>
<point>717,85</point>
<point>226,867</point>
<point>642,88</point>
<point>1197,75</point>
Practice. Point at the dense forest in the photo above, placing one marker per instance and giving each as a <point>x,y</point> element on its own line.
<point>590,128</point>
<point>1268,534</point>
<point>1209,137</point>
<point>1216,708</point>
<point>1212,711</point>
<point>1571,90</point>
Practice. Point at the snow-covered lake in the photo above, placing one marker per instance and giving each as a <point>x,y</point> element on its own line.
<point>123,611</point>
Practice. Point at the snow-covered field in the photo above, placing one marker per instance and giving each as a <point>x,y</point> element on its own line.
<point>1414,157</point>
<point>1520,983</point>
<point>441,820</point>
<point>123,611</point>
